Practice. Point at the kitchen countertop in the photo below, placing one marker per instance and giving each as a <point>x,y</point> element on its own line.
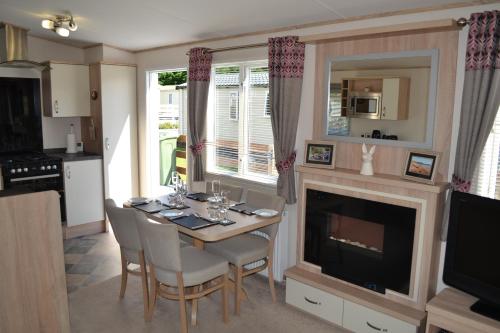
<point>80,156</point>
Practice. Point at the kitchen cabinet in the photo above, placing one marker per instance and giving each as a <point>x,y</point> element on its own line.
<point>83,192</point>
<point>111,131</point>
<point>65,90</point>
<point>395,96</point>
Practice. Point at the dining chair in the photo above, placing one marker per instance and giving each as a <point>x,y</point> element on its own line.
<point>235,192</point>
<point>124,224</point>
<point>184,268</point>
<point>251,247</point>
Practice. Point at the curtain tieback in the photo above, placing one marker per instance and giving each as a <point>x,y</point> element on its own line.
<point>285,165</point>
<point>459,184</point>
<point>197,149</point>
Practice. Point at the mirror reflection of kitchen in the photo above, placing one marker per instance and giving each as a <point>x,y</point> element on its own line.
<point>383,98</point>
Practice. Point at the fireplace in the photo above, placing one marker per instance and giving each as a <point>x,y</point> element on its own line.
<point>364,242</point>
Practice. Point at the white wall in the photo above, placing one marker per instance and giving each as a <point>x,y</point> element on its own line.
<point>175,57</point>
<point>54,129</point>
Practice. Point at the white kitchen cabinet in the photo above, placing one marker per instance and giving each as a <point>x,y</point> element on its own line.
<point>66,90</point>
<point>83,192</point>
<point>395,96</point>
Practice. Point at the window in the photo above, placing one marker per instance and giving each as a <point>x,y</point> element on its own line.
<point>486,179</point>
<point>240,138</point>
<point>233,106</point>
<point>267,107</point>
<point>170,98</point>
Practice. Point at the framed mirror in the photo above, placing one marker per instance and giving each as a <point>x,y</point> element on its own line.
<point>383,98</point>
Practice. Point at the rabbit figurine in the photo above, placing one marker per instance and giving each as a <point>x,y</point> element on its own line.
<point>367,166</point>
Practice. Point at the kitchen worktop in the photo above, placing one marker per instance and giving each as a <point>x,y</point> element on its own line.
<point>80,156</point>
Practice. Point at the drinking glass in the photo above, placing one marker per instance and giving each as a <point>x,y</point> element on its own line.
<point>216,188</point>
<point>224,206</point>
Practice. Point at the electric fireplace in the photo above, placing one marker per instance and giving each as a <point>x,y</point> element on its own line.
<point>364,242</point>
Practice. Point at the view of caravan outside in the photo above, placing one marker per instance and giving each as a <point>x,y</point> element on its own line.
<point>172,120</point>
<point>242,139</point>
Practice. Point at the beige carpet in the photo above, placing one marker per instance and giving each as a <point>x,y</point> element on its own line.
<point>97,308</point>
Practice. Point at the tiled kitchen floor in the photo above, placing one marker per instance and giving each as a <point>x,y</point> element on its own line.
<point>91,259</point>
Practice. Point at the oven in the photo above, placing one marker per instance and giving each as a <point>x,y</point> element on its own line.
<point>35,175</point>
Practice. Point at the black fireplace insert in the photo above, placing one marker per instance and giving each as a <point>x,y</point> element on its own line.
<point>364,242</point>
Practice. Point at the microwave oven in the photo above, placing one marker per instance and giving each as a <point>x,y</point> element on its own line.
<point>364,105</point>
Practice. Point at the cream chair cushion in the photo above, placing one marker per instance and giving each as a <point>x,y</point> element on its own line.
<point>240,250</point>
<point>198,267</point>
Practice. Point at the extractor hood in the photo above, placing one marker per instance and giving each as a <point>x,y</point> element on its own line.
<point>14,48</point>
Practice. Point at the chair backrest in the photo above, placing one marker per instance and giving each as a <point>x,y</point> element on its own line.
<point>161,244</point>
<point>263,200</point>
<point>124,224</point>
<point>235,192</point>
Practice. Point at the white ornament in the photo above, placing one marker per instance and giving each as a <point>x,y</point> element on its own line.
<point>367,166</point>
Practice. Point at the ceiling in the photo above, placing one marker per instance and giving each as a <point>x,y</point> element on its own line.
<point>135,25</point>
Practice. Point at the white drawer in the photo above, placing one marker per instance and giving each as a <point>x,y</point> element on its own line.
<point>314,301</point>
<point>360,319</point>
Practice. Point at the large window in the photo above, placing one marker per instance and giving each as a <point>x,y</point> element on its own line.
<point>486,180</point>
<point>239,133</point>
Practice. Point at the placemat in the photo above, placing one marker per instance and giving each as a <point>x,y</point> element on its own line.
<point>243,208</point>
<point>192,222</point>
<point>152,207</point>
<point>202,197</point>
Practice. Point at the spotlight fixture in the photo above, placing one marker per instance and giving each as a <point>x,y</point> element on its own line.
<point>61,25</point>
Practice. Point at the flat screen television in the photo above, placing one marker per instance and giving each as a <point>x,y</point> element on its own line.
<point>20,115</point>
<point>472,260</point>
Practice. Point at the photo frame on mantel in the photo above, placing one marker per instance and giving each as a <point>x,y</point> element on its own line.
<point>320,154</point>
<point>421,166</point>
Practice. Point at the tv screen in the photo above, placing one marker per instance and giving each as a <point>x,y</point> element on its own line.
<point>20,115</point>
<point>472,261</point>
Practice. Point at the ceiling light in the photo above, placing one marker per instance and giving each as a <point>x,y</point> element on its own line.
<point>61,25</point>
<point>61,31</point>
<point>48,24</point>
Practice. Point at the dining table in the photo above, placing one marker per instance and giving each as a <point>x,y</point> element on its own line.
<point>243,223</point>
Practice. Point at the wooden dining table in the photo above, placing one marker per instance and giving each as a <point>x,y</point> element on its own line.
<point>243,223</point>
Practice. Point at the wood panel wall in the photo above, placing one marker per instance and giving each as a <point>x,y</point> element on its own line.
<point>32,282</point>
<point>387,159</point>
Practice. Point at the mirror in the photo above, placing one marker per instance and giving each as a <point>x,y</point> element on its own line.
<point>385,98</point>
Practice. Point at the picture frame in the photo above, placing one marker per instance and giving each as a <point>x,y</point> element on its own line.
<point>320,154</point>
<point>421,166</point>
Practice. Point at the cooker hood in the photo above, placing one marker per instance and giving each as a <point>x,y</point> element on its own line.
<point>14,48</point>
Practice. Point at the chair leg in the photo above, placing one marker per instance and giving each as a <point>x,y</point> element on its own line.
<point>144,278</point>
<point>194,306</point>
<point>238,276</point>
<point>270,275</point>
<point>182,303</point>
<point>225,314</point>
<point>124,274</point>
<point>154,293</point>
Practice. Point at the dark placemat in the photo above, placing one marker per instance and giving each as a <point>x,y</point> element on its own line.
<point>243,208</point>
<point>202,197</point>
<point>152,207</point>
<point>194,223</point>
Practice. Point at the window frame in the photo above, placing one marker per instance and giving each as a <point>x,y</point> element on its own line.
<point>243,120</point>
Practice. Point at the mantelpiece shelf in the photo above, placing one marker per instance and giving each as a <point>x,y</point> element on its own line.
<point>381,179</point>
<point>356,295</point>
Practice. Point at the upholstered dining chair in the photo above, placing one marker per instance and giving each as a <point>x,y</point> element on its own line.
<point>124,224</point>
<point>251,247</point>
<point>235,192</point>
<point>184,268</point>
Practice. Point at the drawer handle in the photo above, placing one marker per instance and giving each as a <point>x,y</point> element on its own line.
<point>312,302</point>
<point>375,327</point>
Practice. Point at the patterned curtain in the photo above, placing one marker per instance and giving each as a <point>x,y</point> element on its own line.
<point>480,100</point>
<point>200,66</point>
<point>286,68</point>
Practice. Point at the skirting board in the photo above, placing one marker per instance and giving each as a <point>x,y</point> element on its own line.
<point>84,229</point>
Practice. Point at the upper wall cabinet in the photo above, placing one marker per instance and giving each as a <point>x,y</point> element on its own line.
<point>66,90</point>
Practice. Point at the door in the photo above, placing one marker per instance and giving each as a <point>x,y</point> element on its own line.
<point>83,192</point>
<point>119,125</point>
<point>390,94</point>
<point>70,90</point>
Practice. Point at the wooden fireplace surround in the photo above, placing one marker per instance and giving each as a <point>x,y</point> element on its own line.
<point>428,200</point>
